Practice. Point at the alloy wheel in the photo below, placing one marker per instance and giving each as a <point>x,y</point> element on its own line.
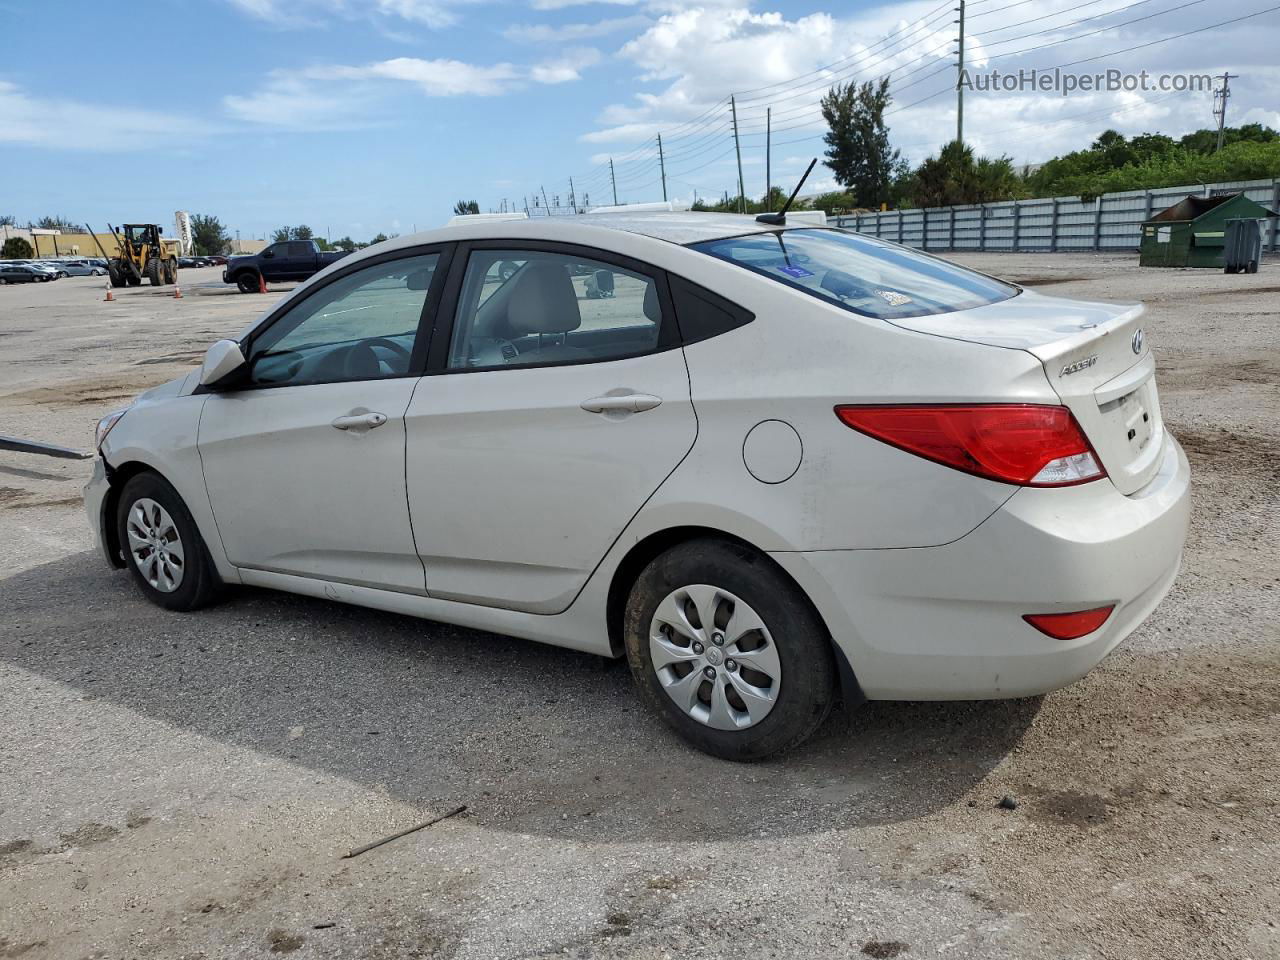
<point>715,657</point>
<point>155,545</point>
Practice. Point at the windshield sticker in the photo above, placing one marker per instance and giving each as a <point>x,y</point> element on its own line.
<point>799,273</point>
<point>893,298</point>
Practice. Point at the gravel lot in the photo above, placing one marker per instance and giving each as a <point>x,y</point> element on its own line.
<point>185,786</point>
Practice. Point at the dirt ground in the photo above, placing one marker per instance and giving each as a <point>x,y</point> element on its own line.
<point>185,786</point>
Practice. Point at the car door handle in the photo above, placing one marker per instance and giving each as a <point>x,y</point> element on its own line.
<point>627,403</point>
<point>360,421</point>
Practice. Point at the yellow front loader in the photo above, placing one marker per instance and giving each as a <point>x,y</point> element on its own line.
<point>143,253</point>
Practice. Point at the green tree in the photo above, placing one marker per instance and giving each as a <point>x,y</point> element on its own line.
<point>464,207</point>
<point>16,248</point>
<point>60,223</point>
<point>345,243</point>
<point>281,234</point>
<point>8,220</point>
<point>857,139</point>
<point>956,178</point>
<point>379,238</point>
<point>208,235</point>
<point>302,232</point>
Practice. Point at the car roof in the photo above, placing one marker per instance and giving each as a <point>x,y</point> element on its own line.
<point>588,230</point>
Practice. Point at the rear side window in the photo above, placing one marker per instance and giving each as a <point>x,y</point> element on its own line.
<point>865,276</point>
<point>525,307</point>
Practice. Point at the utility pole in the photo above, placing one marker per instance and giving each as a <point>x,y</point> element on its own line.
<point>737,146</point>
<point>959,81</point>
<point>544,200</point>
<point>768,150</point>
<point>613,182</point>
<point>1220,98</point>
<point>573,199</point>
<point>662,167</point>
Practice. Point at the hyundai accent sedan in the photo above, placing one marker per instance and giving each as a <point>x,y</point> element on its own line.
<point>776,466</point>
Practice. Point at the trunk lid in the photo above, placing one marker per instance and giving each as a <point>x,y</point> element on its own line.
<point>1095,357</point>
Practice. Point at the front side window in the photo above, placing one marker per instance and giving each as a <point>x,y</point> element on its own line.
<point>362,326</point>
<point>530,307</point>
<point>865,276</point>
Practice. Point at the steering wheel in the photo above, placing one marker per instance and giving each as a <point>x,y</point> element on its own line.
<point>398,349</point>
<point>361,361</point>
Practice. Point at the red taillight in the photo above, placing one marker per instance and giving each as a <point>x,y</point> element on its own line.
<point>1028,444</point>
<point>1069,626</point>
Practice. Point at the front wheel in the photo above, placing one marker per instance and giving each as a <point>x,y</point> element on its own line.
<point>248,283</point>
<point>162,545</point>
<point>727,651</point>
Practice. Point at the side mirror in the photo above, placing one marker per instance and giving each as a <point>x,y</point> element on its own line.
<point>221,360</point>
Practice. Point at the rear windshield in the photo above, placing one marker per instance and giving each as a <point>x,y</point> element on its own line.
<point>869,277</point>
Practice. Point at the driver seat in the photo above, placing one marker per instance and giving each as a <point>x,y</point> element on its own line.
<point>544,301</point>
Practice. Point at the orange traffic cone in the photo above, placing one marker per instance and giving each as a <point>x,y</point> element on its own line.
<point>177,292</point>
<point>262,284</point>
<point>109,296</point>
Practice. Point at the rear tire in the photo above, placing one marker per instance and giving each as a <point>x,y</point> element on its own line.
<point>162,546</point>
<point>733,587</point>
<point>170,272</point>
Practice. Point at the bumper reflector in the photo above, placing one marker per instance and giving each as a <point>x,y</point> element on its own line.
<point>1069,626</point>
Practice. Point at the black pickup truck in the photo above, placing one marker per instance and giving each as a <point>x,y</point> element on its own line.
<point>288,260</point>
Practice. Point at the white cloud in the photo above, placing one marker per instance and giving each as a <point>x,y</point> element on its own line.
<point>77,125</point>
<point>342,96</point>
<point>565,68</point>
<point>545,33</point>
<point>438,78</point>
<point>311,13</point>
<point>562,4</point>
<point>690,59</point>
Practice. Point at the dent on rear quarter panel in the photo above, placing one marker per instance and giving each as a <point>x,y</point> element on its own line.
<point>796,362</point>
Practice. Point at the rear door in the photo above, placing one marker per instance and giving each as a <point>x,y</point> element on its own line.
<point>551,411</point>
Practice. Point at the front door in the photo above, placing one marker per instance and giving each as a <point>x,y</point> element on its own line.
<point>563,405</point>
<point>305,464</point>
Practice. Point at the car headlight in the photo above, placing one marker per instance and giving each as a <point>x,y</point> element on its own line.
<point>105,425</point>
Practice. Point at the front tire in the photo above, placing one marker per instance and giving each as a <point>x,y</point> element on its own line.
<point>727,651</point>
<point>155,272</point>
<point>162,546</point>
<point>248,283</point>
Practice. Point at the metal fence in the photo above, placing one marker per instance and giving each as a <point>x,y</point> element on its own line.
<point>1054,225</point>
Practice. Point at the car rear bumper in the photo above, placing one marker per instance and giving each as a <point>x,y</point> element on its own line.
<point>945,622</point>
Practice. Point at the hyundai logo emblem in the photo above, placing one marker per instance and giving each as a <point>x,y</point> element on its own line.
<point>1137,341</point>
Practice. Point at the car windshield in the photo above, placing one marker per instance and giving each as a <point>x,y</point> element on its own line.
<point>866,276</point>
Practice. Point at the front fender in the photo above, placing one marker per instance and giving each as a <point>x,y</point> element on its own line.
<point>162,436</point>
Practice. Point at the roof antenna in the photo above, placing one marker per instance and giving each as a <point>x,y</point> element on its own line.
<point>780,217</point>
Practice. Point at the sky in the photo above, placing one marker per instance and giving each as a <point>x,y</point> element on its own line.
<point>365,116</point>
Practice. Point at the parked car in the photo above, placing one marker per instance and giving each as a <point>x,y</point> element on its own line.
<point>54,268</point>
<point>82,268</point>
<point>217,260</point>
<point>780,465</point>
<point>289,260</point>
<point>23,273</point>
<point>186,262</point>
